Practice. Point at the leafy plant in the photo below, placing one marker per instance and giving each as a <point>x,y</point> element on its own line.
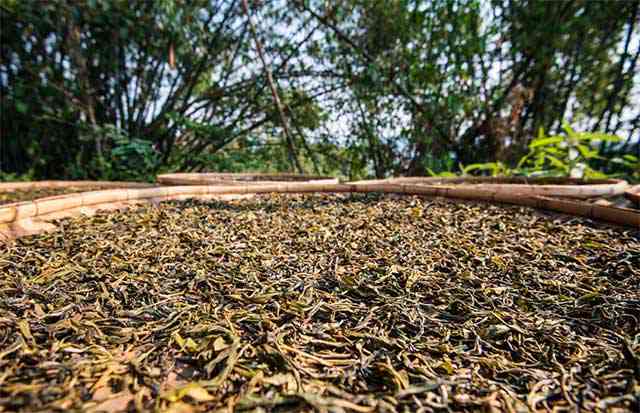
<point>568,154</point>
<point>128,159</point>
<point>443,174</point>
<point>12,177</point>
<point>493,168</point>
<point>629,163</point>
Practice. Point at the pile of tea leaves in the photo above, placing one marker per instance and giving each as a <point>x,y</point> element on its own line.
<point>20,195</point>
<point>322,303</point>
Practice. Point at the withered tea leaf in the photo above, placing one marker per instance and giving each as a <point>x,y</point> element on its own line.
<point>321,303</point>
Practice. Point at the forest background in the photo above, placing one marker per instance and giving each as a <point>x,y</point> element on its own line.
<point>116,89</point>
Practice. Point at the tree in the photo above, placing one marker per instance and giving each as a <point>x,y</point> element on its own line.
<point>368,87</point>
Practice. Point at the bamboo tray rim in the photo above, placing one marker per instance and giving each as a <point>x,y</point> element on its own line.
<point>26,185</point>
<point>633,194</point>
<point>547,186</point>
<point>16,212</point>
<point>186,178</point>
<point>506,180</point>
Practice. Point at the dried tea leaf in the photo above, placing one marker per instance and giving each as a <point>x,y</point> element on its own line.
<point>114,403</point>
<point>219,344</point>
<point>179,407</point>
<point>323,303</point>
<point>192,390</point>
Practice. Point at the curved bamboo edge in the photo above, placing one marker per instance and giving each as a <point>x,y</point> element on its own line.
<point>524,186</point>
<point>633,194</point>
<point>13,186</point>
<point>39,224</point>
<point>230,182</point>
<point>230,178</point>
<point>14,213</point>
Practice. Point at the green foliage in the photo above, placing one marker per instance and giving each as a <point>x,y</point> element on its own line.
<point>243,156</point>
<point>442,174</point>
<point>370,88</point>
<point>12,177</point>
<point>569,154</point>
<point>630,167</point>
<point>70,69</point>
<point>492,168</point>
<point>126,159</point>
<point>132,159</point>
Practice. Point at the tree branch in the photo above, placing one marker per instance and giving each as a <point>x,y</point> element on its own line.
<point>293,158</point>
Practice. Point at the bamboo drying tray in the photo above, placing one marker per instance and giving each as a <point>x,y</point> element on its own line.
<point>524,186</point>
<point>227,178</point>
<point>26,217</point>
